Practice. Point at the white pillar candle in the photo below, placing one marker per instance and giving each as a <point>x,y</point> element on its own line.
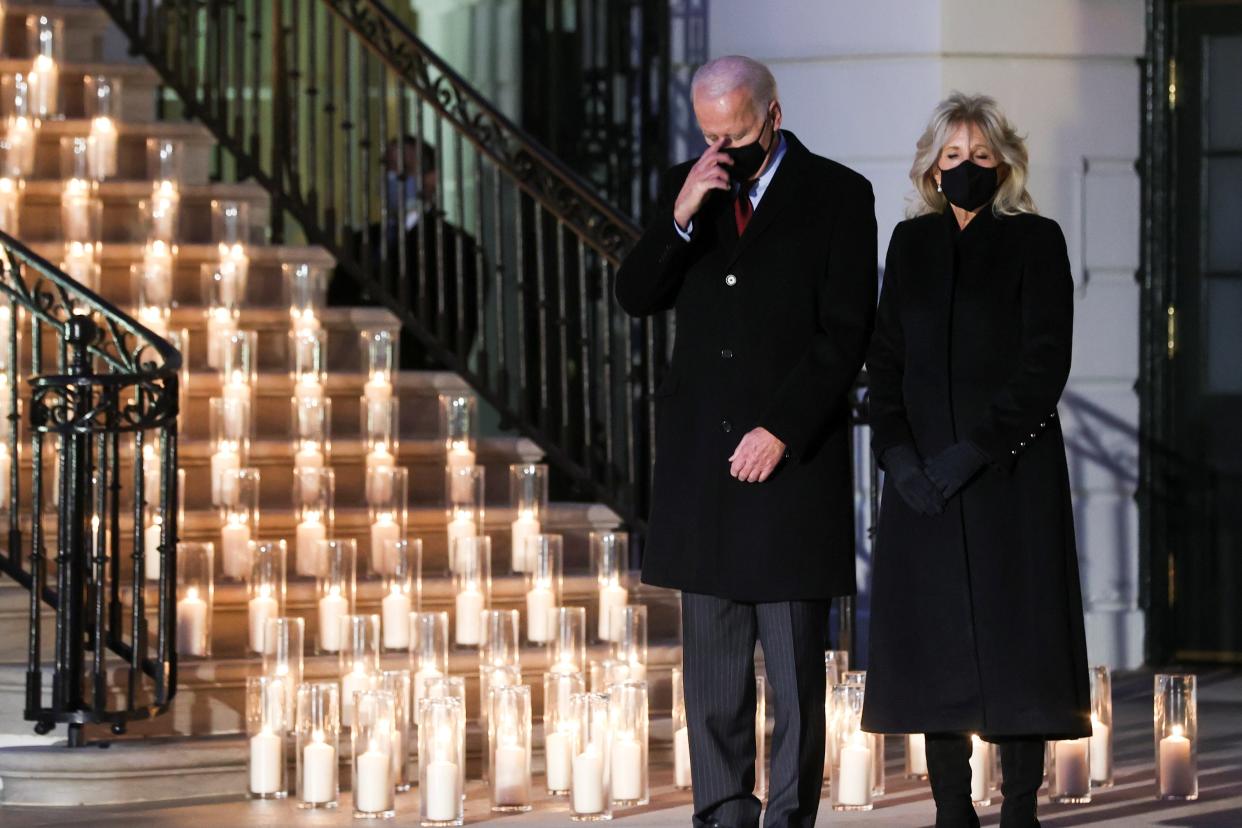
<point>378,483</point>
<point>262,607</point>
<point>522,530</point>
<point>43,86</point>
<point>76,212</point>
<point>101,149</point>
<point>308,388</point>
<point>612,598</point>
<point>318,772</point>
<point>558,759</point>
<point>461,526</point>
<point>588,782</point>
<point>373,786</point>
<point>236,391</point>
<point>441,795</point>
<point>468,606</point>
<point>1101,751</point>
<point>1177,776</point>
<point>512,782</point>
<point>21,137</point>
<point>220,325</point>
<point>395,614</point>
<point>267,761</point>
<point>151,548</point>
<point>332,608</point>
<point>222,462</point>
<point>164,201</point>
<point>235,549</point>
<point>460,457</point>
<point>854,775</point>
<point>916,747</point>
<point>1072,769</point>
<point>681,757</point>
<point>626,769</point>
<point>420,679</point>
<point>192,624</point>
<point>310,532</point>
<point>308,457</point>
<point>377,389</point>
<point>539,602</point>
<point>980,770</point>
<point>355,681</point>
<point>384,529</point>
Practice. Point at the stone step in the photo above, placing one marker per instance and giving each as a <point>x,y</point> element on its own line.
<point>198,145</point>
<point>138,82</point>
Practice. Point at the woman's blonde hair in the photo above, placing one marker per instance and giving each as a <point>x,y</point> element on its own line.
<point>957,109</point>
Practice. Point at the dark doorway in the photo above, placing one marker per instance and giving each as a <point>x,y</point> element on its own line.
<point>1195,553</point>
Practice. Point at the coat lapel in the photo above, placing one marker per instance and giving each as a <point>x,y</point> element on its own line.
<point>783,191</point>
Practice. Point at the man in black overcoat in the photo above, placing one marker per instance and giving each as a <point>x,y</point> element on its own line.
<point>767,254</point>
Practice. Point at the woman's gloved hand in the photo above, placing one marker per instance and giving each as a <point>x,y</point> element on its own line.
<point>913,484</point>
<point>953,468</point>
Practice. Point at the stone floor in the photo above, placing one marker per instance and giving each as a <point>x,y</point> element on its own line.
<point>1129,803</point>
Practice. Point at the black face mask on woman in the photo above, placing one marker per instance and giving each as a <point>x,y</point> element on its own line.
<point>748,158</point>
<point>968,186</point>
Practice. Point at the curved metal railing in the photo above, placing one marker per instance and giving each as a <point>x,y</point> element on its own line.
<point>495,256</point>
<point>97,389</point>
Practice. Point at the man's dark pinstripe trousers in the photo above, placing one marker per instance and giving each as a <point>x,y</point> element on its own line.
<point>719,638</point>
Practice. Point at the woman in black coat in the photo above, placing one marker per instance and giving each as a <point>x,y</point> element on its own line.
<point>977,624</point>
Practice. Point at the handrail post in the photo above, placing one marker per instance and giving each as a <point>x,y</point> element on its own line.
<point>280,121</point>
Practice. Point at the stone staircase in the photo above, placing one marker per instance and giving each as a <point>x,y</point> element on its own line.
<point>196,749</point>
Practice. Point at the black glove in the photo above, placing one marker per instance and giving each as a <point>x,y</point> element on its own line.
<point>952,468</point>
<point>913,484</point>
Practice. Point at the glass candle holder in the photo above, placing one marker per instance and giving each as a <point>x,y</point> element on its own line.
<point>101,98</point>
<point>1176,727</point>
<point>230,438</point>
<point>310,461</point>
<point>20,125</point>
<point>466,516</point>
<point>472,581</point>
<point>222,322</point>
<point>283,655</point>
<point>223,286</point>
<point>402,585</point>
<point>359,663</point>
<point>836,664</point>
<point>457,425</point>
<point>630,646</point>
<point>318,745</point>
<point>164,160</point>
<point>336,589</point>
<point>428,649</point>
<point>154,541</point>
<point>590,799</point>
<point>982,771</point>
<point>388,488</point>
<point>567,648</point>
<point>1069,771</point>
<point>441,759</point>
<point>379,362</point>
<point>498,644</point>
<point>82,264</point>
<point>230,222</point>
<point>81,212</point>
<point>265,726</point>
<point>509,748</point>
<point>153,278</point>
<point>10,200</point>
<point>239,521</point>
<point>761,738</point>
<point>681,734</point>
<point>452,687</point>
<point>308,348</point>
<point>560,728</point>
<point>397,682</point>
<point>314,496</point>
<point>1101,727</point>
<point>380,432</point>
<point>543,587</point>
<point>45,38</point>
<point>312,427</point>
<point>627,710</point>
<point>195,595</point>
<point>610,559</point>
<point>158,213</point>
<point>853,753</point>
<point>372,738</point>
<point>916,756</point>
<point>266,590</point>
<point>528,491</point>
<point>238,361</point>
<point>306,287</point>
<point>490,677</point>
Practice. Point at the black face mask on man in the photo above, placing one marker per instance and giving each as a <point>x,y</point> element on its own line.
<point>748,158</point>
<point>969,186</point>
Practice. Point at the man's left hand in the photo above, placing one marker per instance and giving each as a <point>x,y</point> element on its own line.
<point>755,458</point>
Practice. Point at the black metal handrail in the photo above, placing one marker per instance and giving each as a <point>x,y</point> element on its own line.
<point>98,387</point>
<point>505,276</point>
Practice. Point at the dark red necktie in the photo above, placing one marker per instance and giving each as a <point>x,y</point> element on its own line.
<point>742,209</point>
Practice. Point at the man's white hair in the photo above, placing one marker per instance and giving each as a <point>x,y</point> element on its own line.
<point>722,75</point>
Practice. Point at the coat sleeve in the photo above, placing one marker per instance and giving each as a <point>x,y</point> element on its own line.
<point>886,359</point>
<point>650,277</point>
<point>817,385</point>
<point>1026,403</point>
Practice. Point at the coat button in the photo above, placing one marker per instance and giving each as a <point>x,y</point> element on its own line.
<point>726,426</point>
<point>1041,425</point>
<point>726,353</point>
<point>1022,443</point>
<point>730,280</point>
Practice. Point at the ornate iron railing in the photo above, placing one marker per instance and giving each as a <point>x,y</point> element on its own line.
<point>97,390</point>
<point>495,256</point>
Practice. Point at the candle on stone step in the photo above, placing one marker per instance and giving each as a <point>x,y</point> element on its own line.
<point>980,770</point>
<point>267,761</point>
<point>318,771</point>
<point>587,791</point>
<point>43,83</point>
<point>523,529</point>
<point>916,747</point>
<point>441,796</point>
<point>307,388</point>
<point>223,486</point>
<point>75,204</point>
<point>238,391</point>
<point>395,613</point>
<point>308,457</point>
<point>383,530</point>
<point>235,547</point>
<point>192,624</point>
<point>101,148</point>
<point>164,201</point>
<point>854,777</point>
<point>469,605</point>
<point>420,679</point>
<point>378,388</point>
<point>1101,750</point>
<point>309,533</point>
<point>1177,776</point>
<point>1073,776</point>
<point>355,681</point>
<point>512,782</point>
<point>681,757</point>
<point>627,769</point>
<point>558,759</point>
<point>461,526</point>
<point>380,462</point>
<point>262,607</point>
<point>373,786</point>
<point>151,549</point>
<point>21,138</point>
<point>332,608</point>
<point>612,597</point>
<point>539,602</point>
<point>460,457</point>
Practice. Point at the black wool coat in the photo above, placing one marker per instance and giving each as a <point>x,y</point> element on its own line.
<point>771,330</point>
<point>976,614</point>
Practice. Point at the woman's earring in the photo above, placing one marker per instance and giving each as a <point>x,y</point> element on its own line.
<point>938,187</point>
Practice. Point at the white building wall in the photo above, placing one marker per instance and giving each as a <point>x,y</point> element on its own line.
<point>858,81</point>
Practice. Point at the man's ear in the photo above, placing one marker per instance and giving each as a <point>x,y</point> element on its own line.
<point>776,115</point>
